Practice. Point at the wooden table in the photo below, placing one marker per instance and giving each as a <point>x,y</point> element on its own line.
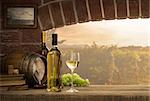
<point>91,93</point>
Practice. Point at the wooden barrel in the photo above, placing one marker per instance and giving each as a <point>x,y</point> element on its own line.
<point>31,64</point>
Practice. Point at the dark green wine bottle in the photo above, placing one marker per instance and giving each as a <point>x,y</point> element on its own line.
<point>53,67</point>
<point>44,52</point>
<point>44,48</point>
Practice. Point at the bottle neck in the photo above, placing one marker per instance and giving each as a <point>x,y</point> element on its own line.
<point>43,37</point>
<point>43,44</point>
<point>55,46</point>
<point>54,40</point>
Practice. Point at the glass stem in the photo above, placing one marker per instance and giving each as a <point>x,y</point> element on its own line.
<point>72,79</point>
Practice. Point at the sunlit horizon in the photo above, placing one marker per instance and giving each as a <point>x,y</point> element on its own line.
<point>126,32</point>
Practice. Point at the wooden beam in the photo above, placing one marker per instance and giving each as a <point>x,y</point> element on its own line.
<point>95,10</point>
<point>140,10</point>
<point>88,9</point>
<point>62,13</point>
<point>121,9</point>
<point>145,8</point>
<point>51,17</point>
<point>134,8</point>
<point>109,9</point>
<point>115,7</point>
<point>75,11</point>
<point>69,14</point>
<point>42,2</point>
<point>56,13</point>
<point>48,2</point>
<point>40,23</point>
<point>44,18</point>
<point>128,9</point>
<point>81,10</point>
<point>102,9</point>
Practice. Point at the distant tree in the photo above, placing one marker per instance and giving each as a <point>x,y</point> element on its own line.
<point>112,65</point>
<point>94,45</point>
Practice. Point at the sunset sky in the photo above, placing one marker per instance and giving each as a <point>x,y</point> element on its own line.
<point>108,32</point>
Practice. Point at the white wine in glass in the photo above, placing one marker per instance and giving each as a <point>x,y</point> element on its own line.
<point>72,62</point>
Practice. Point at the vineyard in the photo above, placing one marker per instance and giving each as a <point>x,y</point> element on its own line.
<point>112,65</point>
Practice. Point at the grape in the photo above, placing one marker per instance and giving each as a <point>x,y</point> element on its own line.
<point>77,80</point>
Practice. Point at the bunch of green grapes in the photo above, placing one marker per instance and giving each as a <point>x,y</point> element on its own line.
<point>77,80</point>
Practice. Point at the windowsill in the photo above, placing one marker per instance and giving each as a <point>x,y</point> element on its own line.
<point>91,93</point>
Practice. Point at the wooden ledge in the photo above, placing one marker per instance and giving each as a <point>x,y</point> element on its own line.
<point>91,93</point>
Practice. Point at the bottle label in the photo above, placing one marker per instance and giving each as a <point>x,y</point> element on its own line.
<point>53,73</point>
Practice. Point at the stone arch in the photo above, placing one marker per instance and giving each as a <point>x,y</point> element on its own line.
<point>57,13</point>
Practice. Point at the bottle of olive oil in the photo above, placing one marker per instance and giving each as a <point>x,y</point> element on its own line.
<point>53,67</point>
<point>44,48</point>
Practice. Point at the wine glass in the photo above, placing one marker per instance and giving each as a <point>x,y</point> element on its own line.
<point>72,62</point>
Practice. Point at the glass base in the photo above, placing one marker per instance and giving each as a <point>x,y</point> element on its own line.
<point>71,90</point>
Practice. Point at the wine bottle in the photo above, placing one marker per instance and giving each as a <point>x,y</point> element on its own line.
<point>53,67</point>
<point>44,48</point>
<point>44,52</point>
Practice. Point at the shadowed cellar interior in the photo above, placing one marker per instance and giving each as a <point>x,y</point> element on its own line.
<point>52,14</point>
